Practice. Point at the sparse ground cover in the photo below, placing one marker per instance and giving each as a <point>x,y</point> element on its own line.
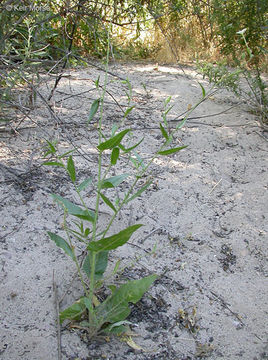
<point>205,231</point>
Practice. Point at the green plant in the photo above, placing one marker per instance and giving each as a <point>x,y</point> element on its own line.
<point>257,93</point>
<point>233,15</point>
<point>253,90</point>
<point>108,316</point>
<point>221,75</point>
<point>85,233</point>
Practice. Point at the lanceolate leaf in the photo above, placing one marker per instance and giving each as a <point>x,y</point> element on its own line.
<point>74,209</point>
<point>115,155</point>
<point>132,147</point>
<point>53,163</point>
<point>180,125</point>
<point>140,160</point>
<point>163,131</point>
<point>97,82</point>
<point>71,168</point>
<point>113,141</point>
<point>139,192</point>
<point>66,153</point>
<point>134,162</point>
<point>167,101</point>
<point>52,147</point>
<point>114,181</point>
<point>108,202</point>
<point>172,151</point>
<point>114,241</point>
<point>60,242</point>
<point>115,307</point>
<point>203,90</point>
<point>93,109</point>
<point>128,111</point>
<point>114,129</point>
<point>84,184</point>
<point>168,110</point>
<point>100,264</point>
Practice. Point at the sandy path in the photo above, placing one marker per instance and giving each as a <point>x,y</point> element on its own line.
<point>207,209</point>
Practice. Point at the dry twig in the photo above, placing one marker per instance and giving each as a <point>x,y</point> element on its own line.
<point>57,307</point>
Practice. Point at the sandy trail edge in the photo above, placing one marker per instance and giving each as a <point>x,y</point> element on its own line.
<point>208,205</point>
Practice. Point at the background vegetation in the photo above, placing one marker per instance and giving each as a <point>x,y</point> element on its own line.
<point>47,36</point>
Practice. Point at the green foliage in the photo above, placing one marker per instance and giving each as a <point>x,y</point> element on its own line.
<point>94,108</point>
<point>74,312</point>
<point>114,180</point>
<point>221,75</point>
<point>114,241</point>
<point>47,31</point>
<point>113,141</point>
<point>253,90</point>
<point>73,209</point>
<point>60,242</point>
<point>40,35</point>
<point>115,308</point>
<point>233,15</point>
<point>101,263</point>
<point>108,315</point>
<point>171,151</point>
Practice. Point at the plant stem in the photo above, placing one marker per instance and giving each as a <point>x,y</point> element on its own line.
<point>124,201</point>
<point>94,229</point>
<point>75,258</point>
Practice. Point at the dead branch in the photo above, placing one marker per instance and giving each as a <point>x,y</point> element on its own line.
<point>57,308</point>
